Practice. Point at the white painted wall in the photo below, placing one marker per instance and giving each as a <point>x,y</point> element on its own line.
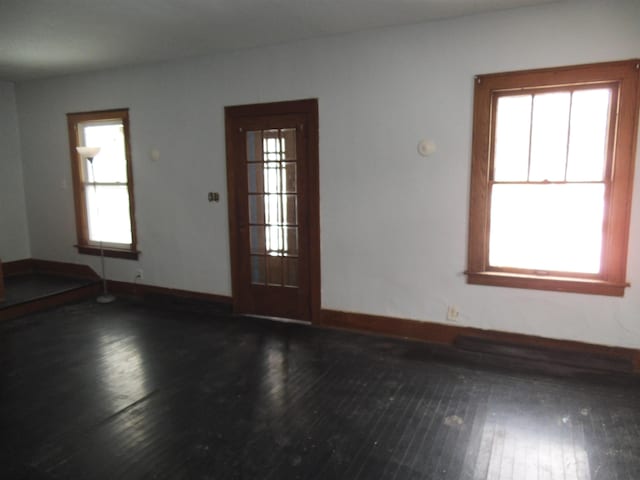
<point>14,234</point>
<point>393,224</point>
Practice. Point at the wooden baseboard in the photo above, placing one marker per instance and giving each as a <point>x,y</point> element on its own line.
<point>18,267</point>
<point>33,265</point>
<point>141,290</point>
<point>571,353</point>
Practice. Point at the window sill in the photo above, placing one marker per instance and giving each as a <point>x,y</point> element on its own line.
<point>109,252</point>
<point>555,284</point>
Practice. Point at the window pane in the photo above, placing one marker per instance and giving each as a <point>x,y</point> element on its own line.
<point>110,165</point>
<point>547,227</point>
<point>513,128</point>
<point>108,214</point>
<point>549,136</point>
<point>588,138</point>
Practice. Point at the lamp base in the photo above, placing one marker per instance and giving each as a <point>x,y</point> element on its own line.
<point>107,298</point>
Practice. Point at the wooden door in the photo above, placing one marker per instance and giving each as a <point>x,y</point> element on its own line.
<point>272,168</point>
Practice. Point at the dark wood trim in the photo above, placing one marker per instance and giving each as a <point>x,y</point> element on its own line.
<point>97,114</point>
<point>108,252</point>
<point>313,155</point>
<point>140,290</point>
<point>33,265</point>
<point>628,359</point>
<point>234,250</point>
<point>396,327</point>
<point>549,283</point>
<point>1,282</point>
<point>271,108</point>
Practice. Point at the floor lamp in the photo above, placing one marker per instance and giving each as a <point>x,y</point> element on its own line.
<point>89,153</point>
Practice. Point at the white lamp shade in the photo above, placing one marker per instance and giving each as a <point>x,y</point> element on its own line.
<point>88,152</point>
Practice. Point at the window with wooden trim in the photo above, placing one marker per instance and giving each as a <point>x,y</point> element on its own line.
<point>551,177</point>
<point>103,184</point>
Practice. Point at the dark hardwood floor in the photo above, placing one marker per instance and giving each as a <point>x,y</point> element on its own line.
<point>140,390</point>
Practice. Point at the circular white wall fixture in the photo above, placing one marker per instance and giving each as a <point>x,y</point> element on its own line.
<point>426,147</point>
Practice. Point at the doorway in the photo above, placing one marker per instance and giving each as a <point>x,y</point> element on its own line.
<point>273,186</point>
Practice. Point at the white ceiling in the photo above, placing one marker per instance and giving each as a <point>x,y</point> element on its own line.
<point>43,38</point>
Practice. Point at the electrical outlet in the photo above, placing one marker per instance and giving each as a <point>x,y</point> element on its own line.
<point>452,313</point>
<point>139,274</point>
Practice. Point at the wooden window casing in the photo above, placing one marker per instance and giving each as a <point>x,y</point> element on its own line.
<point>623,80</point>
<point>85,245</point>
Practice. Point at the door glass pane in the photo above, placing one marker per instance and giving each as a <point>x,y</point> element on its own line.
<point>549,136</point>
<point>513,129</point>
<point>291,209</point>
<point>255,177</point>
<point>108,214</point>
<point>272,151</point>
<point>272,177</point>
<point>258,270</point>
<point>257,239</point>
<point>289,181</point>
<point>254,146</point>
<point>274,270</point>
<point>547,227</point>
<point>291,236</point>
<point>290,270</point>
<point>288,142</point>
<point>588,137</point>
<point>256,209</point>
<point>273,209</point>
<point>274,239</point>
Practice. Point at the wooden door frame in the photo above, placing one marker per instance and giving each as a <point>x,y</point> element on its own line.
<point>308,107</point>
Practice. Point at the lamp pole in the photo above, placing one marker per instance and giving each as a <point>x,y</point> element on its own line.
<point>89,153</point>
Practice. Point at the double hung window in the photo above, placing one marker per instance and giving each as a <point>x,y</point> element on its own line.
<point>103,186</point>
<point>552,172</point>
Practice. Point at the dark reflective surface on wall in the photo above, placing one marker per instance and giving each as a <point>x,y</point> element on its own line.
<point>129,390</point>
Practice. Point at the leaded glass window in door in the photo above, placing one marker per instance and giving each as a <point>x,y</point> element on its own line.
<point>273,206</point>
